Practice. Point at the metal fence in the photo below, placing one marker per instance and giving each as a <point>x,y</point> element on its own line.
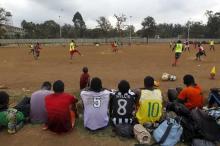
<point>92,41</point>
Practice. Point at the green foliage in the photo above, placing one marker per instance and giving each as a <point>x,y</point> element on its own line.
<point>148,27</point>
<point>79,24</point>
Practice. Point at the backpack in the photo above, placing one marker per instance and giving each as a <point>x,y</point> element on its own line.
<point>189,128</point>
<point>202,142</point>
<point>124,130</point>
<point>168,133</point>
<point>208,127</point>
<point>214,96</point>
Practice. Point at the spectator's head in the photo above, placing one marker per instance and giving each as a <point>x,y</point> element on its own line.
<point>179,41</point>
<point>58,86</point>
<point>85,70</point>
<point>148,82</point>
<point>123,86</point>
<point>96,84</point>
<point>46,85</point>
<point>188,80</point>
<point>199,44</point>
<point>38,43</point>
<point>4,100</point>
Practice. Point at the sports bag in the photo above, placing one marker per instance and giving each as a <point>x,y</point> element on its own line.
<point>141,134</point>
<point>208,127</point>
<point>168,133</point>
<point>124,130</point>
<point>202,142</point>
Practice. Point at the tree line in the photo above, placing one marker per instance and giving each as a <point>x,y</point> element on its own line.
<point>104,29</point>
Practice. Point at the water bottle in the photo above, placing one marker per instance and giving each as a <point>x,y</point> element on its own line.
<point>12,121</point>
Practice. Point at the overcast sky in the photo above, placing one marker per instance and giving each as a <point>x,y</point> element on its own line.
<point>168,11</point>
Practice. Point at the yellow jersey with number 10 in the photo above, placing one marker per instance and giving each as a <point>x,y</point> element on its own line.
<point>150,109</point>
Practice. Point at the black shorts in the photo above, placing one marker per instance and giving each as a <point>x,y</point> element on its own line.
<point>177,55</point>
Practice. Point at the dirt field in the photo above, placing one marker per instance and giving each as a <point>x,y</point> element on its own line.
<point>20,71</point>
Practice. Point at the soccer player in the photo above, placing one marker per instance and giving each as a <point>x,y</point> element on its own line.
<point>171,44</point>
<point>37,49</point>
<point>150,103</point>
<point>31,50</point>
<point>84,78</point>
<point>95,101</point>
<point>178,51</point>
<point>186,45</point>
<point>114,46</point>
<point>200,53</point>
<point>73,49</point>
<point>60,109</point>
<point>122,104</point>
<point>212,46</point>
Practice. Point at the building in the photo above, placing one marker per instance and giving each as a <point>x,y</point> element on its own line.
<point>12,31</point>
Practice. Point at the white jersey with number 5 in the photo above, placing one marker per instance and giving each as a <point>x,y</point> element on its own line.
<point>95,108</point>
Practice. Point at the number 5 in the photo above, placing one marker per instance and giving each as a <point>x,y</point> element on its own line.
<point>96,102</point>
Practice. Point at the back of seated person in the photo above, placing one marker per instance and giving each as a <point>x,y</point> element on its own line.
<point>4,114</point>
<point>191,95</point>
<point>95,100</point>
<point>122,104</point>
<point>59,107</point>
<point>38,112</point>
<point>150,103</point>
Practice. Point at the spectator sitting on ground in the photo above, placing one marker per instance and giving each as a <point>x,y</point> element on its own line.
<point>96,101</point>
<point>191,95</point>
<point>60,109</point>
<point>9,117</point>
<point>122,104</point>
<point>84,79</point>
<point>38,112</point>
<point>150,103</point>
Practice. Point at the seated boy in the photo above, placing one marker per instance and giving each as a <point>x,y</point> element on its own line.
<point>122,104</point>
<point>150,103</point>
<point>60,108</point>
<point>9,117</point>
<point>95,101</point>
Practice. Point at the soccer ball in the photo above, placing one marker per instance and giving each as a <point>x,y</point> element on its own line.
<point>172,78</point>
<point>165,77</point>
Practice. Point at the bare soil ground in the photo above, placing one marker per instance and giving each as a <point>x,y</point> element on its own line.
<point>21,73</point>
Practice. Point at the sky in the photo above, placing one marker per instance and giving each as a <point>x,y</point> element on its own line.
<point>163,11</point>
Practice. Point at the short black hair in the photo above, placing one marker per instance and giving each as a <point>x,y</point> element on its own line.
<point>96,84</point>
<point>148,82</point>
<point>188,80</point>
<point>4,100</point>
<point>46,85</point>
<point>179,41</point>
<point>85,69</point>
<point>123,86</point>
<point>58,86</point>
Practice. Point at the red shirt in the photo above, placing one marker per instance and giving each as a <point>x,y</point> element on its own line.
<point>193,97</point>
<point>84,80</point>
<point>58,106</point>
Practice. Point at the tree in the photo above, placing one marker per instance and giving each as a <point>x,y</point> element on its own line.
<point>149,27</point>
<point>3,18</point>
<point>79,24</point>
<point>68,31</point>
<point>50,29</point>
<point>104,25</point>
<point>213,29</point>
<point>120,23</point>
<point>164,30</point>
